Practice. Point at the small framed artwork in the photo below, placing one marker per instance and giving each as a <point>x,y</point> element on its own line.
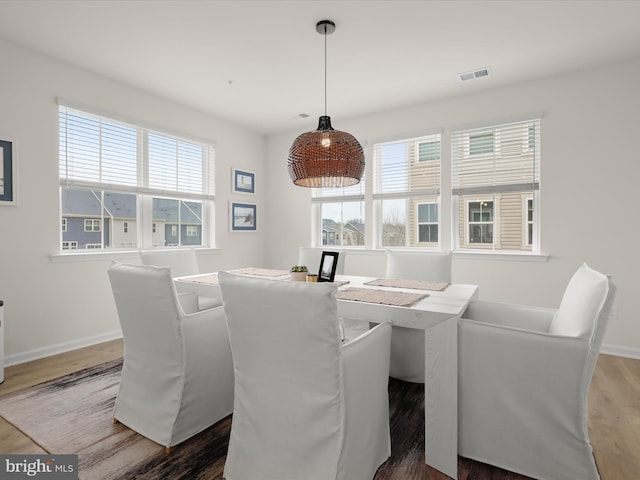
<point>242,217</point>
<point>328,264</point>
<point>243,181</point>
<point>7,173</point>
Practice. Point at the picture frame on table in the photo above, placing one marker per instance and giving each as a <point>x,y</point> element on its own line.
<point>243,181</point>
<point>328,264</point>
<point>7,173</point>
<point>242,217</point>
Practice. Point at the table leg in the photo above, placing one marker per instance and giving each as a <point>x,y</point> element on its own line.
<point>441,397</point>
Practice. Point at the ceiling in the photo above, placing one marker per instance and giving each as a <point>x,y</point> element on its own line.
<point>260,64</point>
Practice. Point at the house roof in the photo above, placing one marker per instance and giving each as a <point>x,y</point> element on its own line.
<point>123,206</point>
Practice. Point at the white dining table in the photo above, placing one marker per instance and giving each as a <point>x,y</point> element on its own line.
<point>436,317</point>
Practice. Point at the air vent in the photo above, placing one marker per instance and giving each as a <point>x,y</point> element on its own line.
<point>482,72</point>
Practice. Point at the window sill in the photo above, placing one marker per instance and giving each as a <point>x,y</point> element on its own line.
<point>118,255</point>
<point>500,256</point>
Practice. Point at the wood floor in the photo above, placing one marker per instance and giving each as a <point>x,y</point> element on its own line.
<point>614,408</point>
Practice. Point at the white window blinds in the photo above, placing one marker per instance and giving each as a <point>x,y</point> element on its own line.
<point>502,158</point>
<point>410,167</point>
<point>99,152</point>
<point>406,191</point>
<point>495,186</point>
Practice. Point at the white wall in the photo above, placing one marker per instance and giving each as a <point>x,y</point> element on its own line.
<point>590,171</point>
<point>590,166</point>
<point>56,305</point>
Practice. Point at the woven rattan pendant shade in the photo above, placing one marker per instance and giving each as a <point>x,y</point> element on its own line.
<point>326,158</point>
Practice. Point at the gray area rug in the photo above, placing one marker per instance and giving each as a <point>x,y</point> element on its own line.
<point>73,414</point>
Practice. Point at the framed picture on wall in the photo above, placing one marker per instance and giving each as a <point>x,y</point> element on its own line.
<point>328,264</point>
<point>243,181</point>
<point>242,217</point>
<point>7,173</point>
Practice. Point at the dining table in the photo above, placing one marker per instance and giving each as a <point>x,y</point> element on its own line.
<point>432,309</point>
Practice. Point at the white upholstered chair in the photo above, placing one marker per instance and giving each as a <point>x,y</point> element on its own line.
<point>524,376</point>
<point>182,262</point>
<point>407,345</point>
<point>177,376</point>
<point>311,256</point>
<point>306,405</point>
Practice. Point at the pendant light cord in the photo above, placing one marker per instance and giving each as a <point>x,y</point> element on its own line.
<point>325,70</point>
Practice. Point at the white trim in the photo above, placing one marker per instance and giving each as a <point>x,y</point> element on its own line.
<point>620,351</point>
<point>104,255</point>
<point>498,122</point>
<point>494,255</point>
<point>403,137</point>
<point>39,353</point>
<point>118,117</point>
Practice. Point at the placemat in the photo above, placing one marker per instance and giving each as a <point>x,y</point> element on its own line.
<point>384,297</point>
<point>414,284</point>
<point>261,272</point>
<point>211,279</point>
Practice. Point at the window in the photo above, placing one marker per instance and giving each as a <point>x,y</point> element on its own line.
<point>529,225</point>
<point>480,226</point>
<point>338,215</point>
<point>69,245</point>
<point>113,174</point>
<point>495,171</point>
<point>406,191</point>
<point>92,225</point>
<point>481,143</point>
<point>428,224</point>
<point>64,224</point>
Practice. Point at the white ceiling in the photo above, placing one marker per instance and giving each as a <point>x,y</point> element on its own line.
<point>261,63</point>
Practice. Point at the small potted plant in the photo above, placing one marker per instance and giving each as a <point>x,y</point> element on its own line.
<point>298,273</point>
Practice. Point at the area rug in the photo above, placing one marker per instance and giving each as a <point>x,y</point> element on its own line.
<point>73,414</point>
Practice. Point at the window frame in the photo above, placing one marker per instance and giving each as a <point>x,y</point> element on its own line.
<point>430,224</point>
<point>412,194</point>
<point>90,225</point>
<point>509,175</point>
<point>470,223</point>
<point>141,222</point>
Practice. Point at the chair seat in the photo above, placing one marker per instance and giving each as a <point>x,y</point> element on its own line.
<point>204,303</point>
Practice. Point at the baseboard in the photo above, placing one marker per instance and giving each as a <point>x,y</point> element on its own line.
<point>60,348</point>
<point>621,351</point>
<point>106,337</point>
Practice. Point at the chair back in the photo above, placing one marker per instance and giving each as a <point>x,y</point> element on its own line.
<point>435,267</point>
<point>149,315</point>
<point>582,311</point>
<point>181,262</point>
<point>286,349</point>
<point>311,257</point>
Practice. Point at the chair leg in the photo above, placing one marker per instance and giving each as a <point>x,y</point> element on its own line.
<point>168,450</point>
<point>115,420</point>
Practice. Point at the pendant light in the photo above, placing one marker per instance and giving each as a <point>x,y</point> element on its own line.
<point>325,157</point>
